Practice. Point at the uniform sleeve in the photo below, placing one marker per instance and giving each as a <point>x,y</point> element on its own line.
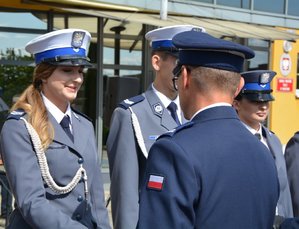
<point>124,170</point>
<point>170,204</point>
<point>25,179</point>
<point>292,164</point>
<point>97,192</point>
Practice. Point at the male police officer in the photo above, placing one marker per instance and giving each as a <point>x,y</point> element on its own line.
<point>136,124</point>
<point>210,172</point>
<point>252,105</point>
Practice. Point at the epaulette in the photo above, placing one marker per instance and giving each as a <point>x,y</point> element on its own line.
<point>125,104</point>
<point>17,114</point>
<point>177,129</point>
<point>82,114</point>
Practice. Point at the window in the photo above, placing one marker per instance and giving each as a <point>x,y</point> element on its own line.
<point>293,8</point>
<point>245,4</point>
<point>261,59</point>
<point>273,6</point>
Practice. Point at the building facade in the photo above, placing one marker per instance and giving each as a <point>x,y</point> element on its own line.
<point>120,54</point>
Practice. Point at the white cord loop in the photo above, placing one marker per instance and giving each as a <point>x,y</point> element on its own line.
<point>138,133</point>
<point>44,168</point>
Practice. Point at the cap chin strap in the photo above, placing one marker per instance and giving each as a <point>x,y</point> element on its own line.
<point>44,168</point>
<point>64,58</point>
<point>256,92</point>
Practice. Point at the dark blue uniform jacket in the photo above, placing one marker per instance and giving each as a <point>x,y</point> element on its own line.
<point>210,173</point>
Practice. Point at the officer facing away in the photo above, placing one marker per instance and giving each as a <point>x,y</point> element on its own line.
<point>210,172</point>
<point>136,124</point>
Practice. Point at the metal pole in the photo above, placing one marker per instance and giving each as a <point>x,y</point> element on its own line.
<point>163,11</point>
<point>99,89</point>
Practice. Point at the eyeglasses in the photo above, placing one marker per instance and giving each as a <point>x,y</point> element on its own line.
<point>176,73</point>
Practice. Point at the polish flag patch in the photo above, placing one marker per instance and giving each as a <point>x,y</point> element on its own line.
<point>155,182</point>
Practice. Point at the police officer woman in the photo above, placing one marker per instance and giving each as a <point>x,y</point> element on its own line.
<point>48,148</point>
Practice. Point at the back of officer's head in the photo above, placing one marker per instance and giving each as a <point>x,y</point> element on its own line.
<point>214,63</point>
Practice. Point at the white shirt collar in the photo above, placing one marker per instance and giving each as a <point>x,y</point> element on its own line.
<point>252,130</point>
<point>210,106</point>
<point>166,101</point>
<point>55,111</point>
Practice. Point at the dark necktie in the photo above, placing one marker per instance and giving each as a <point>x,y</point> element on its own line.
<point>172,107</point>
<point>65,123</point>
<point>258,136</point>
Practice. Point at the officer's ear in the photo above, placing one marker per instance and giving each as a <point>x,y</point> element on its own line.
<point>156,59</point>
<point>239,88</point>
<point>186,77</point>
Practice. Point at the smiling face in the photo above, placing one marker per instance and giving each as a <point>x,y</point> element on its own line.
<point>63,85</point>
<point>252,113</point>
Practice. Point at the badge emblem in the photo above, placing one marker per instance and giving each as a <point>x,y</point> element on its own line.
<point>77,39</point>
<point>264,78</point>
<point>158,108</point>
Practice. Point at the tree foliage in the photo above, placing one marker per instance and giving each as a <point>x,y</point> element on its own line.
<point>14,78</point>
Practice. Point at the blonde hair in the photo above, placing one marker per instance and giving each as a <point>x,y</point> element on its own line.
<point>32,103</point>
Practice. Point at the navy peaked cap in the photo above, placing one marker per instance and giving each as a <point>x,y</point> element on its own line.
<point>257,85</point>
<point>201,49</point>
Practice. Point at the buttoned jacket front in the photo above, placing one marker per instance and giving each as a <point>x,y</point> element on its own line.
<point>41,206</point>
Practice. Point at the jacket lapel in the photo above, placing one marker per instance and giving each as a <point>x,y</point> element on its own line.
<point>270,142</point>
<point>59,134</point>
<point>159,110</point>
<point>80,132</point>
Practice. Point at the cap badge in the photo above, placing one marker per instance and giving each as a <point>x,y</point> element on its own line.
<point>77,39</point>
<point>264,78</point>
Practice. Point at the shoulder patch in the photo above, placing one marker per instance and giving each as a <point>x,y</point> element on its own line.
<point>80,113</point>
<point>171,133</point>
<point>17,114</point>
<point>125,104</point>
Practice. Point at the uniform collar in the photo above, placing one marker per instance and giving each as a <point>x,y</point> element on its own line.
<point>165,100</point>
<point>210,106</point>
<point>252,130</point>
<point>55,111</point>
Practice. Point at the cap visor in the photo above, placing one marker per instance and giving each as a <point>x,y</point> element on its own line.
<point>72,62</point>
<point>259,97</point>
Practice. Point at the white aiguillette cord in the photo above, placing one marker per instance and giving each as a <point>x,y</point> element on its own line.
<point>138,133</point>
<point>44,168</point>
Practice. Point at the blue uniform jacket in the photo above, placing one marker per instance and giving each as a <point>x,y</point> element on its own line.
<point>213,173</point>
<point>284,204</point>
<point>292,164</point>
<point>35,201</point>
<point>126,160</point>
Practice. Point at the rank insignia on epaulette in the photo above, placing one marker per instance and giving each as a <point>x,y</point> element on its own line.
<point>127,101</point>
<point>77,39</point>
<point>16,114</point>
<point>155,182</point>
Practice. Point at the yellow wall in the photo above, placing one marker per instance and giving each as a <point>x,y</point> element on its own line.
<point>284,111</point>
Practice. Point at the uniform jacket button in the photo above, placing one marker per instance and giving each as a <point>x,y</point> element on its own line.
<point>80,160</point>
<point>80,198</point>
<point>78,217</point>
